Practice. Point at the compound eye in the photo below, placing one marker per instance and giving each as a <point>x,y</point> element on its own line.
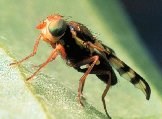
<point>57,27</point>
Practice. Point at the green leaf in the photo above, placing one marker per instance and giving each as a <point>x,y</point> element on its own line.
<point>17,101</point>
<point>41,99</point>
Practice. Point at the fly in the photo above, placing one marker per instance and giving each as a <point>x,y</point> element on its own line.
<point>78,47</point>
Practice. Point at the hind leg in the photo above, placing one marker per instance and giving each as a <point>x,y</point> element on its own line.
<point>105,92</point>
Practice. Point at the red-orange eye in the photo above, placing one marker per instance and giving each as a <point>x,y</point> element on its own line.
<point>41,25</point>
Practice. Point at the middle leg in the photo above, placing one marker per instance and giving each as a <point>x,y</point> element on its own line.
<point>92,61</point>
<point>105,76</point>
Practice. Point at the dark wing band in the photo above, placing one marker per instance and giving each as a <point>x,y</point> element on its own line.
<point>129,74</point>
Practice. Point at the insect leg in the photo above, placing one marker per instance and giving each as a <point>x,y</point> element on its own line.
<point>97,72</point>
<point>101,72</point>
<point>92,59</point>
<point>98,47</point>
<point>105,92</point>
<point>50,58</point>
<point>31,55</point>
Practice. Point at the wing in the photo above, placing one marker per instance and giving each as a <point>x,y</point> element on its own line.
<point>129,74</point>
<point>82,31</point>
<point>123,69</point>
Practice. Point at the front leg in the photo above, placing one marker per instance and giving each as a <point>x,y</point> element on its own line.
<point>58,50</point>
<point>32,54</point>
<point>50,58</point>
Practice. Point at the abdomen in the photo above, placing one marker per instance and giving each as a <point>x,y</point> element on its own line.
<point>105,77</point>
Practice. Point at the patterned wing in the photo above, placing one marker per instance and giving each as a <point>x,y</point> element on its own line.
<point>129,74</point>
<point>123,69</point>
<point>82,31</point>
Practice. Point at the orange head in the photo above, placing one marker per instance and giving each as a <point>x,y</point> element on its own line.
<point>52,28</point>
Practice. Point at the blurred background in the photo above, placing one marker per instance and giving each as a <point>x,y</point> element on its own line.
<point>131,28</point>
<point>146,15</point>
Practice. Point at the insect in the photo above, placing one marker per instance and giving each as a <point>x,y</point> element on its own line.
<point>78,47</point>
